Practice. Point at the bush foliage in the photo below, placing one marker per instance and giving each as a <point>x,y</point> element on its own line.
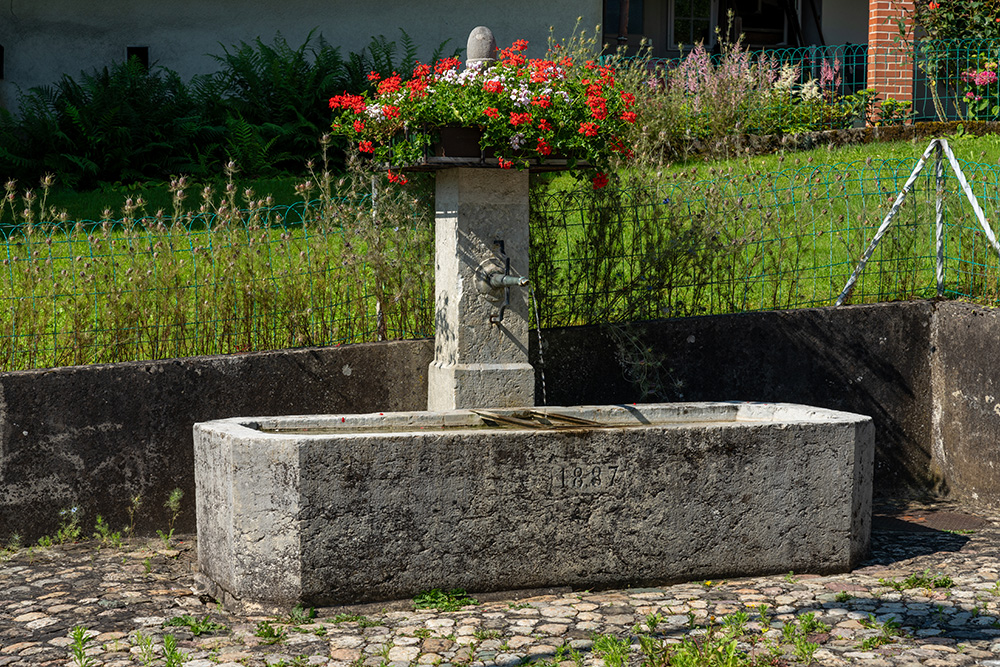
<point>265,108</point>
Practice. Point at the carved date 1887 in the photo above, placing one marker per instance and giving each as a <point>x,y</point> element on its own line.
<point>587,477</point>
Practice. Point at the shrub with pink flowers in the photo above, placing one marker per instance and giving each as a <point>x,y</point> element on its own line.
<point>956,42</point>
<point>982,93</point>
<point>526,109</point>
<point>705,97</point>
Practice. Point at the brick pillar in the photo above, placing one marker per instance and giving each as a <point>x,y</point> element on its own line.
<point>890,61</point>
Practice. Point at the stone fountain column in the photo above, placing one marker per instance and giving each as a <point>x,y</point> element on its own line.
<point>481,222</point>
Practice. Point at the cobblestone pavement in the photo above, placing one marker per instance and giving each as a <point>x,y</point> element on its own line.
<point>895,610</point>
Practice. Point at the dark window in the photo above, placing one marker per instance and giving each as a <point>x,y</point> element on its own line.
<point>140,53</point>
<point>612,16</point>
<point>693,23</point>
<point>761,21</point>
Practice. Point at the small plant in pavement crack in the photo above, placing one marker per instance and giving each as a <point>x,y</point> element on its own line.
<point>81,637</point>
<point>173,503</point>
<point>300,615</point>
<point>147,650</point>
<point>269,634</point>
<point>198,627</point>
<point>612,649</point>
<point>172,656</point>
<point>435,598</point>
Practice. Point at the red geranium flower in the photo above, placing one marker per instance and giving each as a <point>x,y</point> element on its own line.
<point>446,64</point>
<point>355,103</point>
<point>366,147</point>
<point>418,88</point>
<point>543,147</point>
<point>491,112</point>
<point>506,164</point>
<point>359,125</point>
<point>600,180</point>
<point>544,125</point>
<point>589,129</point>
<point>493,87</point>
<point>390,112</point>
<point>390,85</point>
<point>519,118</point>
<point>397,178</point>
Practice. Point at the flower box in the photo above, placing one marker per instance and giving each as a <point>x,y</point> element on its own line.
<point>547,114</point>
<point>460,147</point>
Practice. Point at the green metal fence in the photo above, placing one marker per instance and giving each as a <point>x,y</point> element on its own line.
<point>778,90</point>
<point>756,241</point>
<point>952,79</point>
<point>956,79</point>
<point>326,273</point>
<point>850,61</point>
<point>224,282</point>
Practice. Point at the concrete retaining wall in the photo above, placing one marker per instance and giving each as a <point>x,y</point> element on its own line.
<point>93,437</point>
<point>872,360</point>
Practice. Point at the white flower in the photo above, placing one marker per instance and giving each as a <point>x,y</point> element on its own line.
<point>786,78</point>
<point>810,90</point>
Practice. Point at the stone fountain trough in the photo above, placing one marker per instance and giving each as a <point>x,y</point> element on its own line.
<point>321,510</point>
<point>334,509</point>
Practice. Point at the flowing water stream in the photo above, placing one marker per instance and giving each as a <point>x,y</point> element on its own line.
<point>541,358</point>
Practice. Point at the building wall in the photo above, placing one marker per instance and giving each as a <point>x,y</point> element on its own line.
<point>890,64</point>
<point>842,22</point>
<point>845,21</point>
<point>43,40</point>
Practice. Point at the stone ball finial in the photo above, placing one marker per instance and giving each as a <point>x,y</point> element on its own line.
<point>482,47</point>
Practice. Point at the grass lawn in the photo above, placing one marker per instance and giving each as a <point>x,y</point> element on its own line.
<point>775,231</point>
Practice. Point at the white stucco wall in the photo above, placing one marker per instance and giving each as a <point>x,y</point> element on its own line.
<point>44,39</point>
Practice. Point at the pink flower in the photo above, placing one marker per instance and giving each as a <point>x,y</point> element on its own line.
<point>985,78</point>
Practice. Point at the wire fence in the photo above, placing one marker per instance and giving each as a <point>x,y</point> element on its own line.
<point>215,283</point>
<point>951,79</point>
<point>850,60</point>
<point>756,241</point>
<point>332,272</point>
<point>955,79</point>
